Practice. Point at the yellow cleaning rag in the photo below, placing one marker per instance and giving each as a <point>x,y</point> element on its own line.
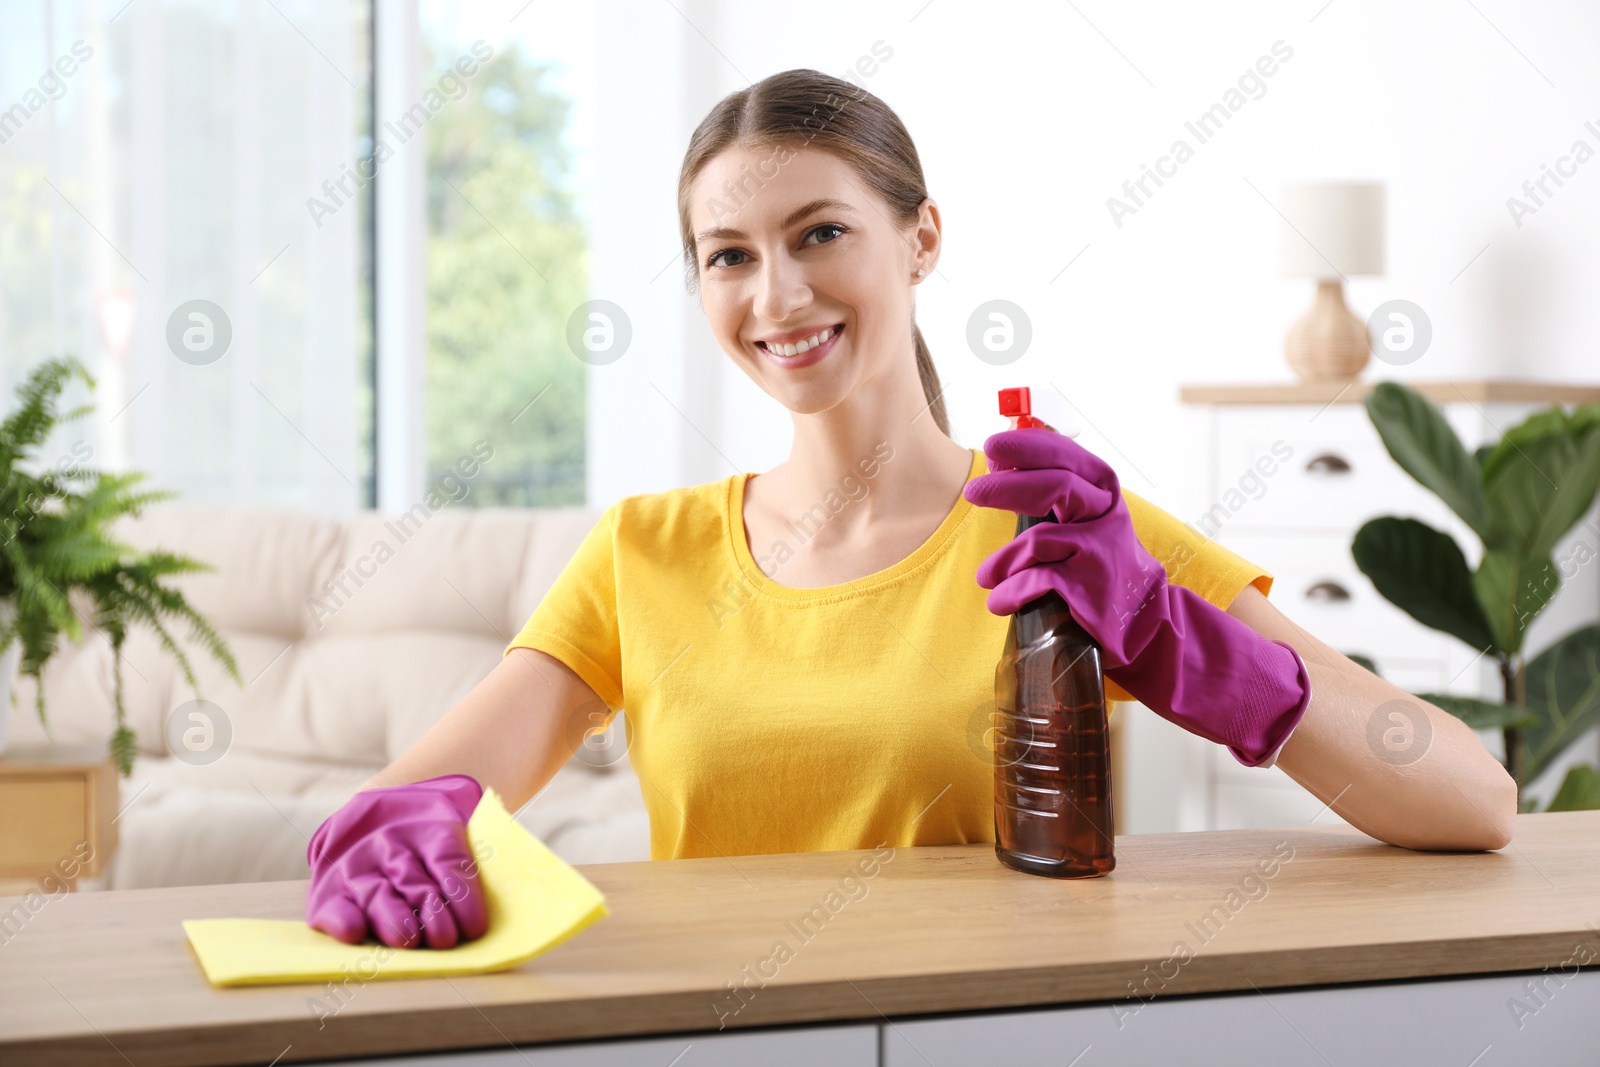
<point>535,902</point>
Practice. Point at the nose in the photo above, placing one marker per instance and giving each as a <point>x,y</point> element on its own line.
<point>781,288</point>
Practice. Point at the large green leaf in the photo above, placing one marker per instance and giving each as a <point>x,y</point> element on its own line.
<point>1563,690</point>
<point>1422,571</point>
<point>1546,422</point>
<point>1512,592</point>
<point>1422,442</point>
<point>1539,490</point>
<point>1580,790</point>
<point>1584,418</point>
<point>1480,714</point>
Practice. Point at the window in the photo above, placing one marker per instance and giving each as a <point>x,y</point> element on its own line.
<point>191,207</point>
<point>506,251</point>
<point>179,215</point>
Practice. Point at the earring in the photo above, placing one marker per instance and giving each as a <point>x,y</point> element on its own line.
<point>920,272</point>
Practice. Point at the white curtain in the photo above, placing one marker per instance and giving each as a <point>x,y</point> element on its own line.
<point>179,153</point>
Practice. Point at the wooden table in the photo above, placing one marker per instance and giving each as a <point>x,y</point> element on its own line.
<point>935,955</point>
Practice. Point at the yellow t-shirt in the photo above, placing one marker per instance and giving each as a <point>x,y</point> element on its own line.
<point>764,718</point>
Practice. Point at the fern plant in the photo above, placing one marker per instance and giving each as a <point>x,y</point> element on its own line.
<point>1520,496</point>
<point>54,521</point>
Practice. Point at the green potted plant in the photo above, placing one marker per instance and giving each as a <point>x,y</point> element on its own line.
<point>1520,496</point>
<point>54,542</point>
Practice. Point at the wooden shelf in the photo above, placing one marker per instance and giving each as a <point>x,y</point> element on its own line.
<point>1475,390</point>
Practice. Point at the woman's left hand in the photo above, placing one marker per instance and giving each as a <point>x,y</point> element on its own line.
<point>1183,657</point>
<point>1090,554</point>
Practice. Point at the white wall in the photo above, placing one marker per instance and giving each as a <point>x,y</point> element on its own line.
<point>643,407</point>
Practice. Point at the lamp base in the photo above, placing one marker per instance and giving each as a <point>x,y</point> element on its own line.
<point>1328,343</point>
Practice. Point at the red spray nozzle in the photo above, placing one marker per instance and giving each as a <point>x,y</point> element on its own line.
<point>1017,404</point>
<point>1024,410</point>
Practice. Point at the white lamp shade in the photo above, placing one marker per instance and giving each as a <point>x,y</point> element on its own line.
<point>1332,229</point>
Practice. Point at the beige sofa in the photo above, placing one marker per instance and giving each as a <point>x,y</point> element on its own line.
<point>353,637</point>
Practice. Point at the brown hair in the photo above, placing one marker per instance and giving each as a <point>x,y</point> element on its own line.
<point>810,107</point>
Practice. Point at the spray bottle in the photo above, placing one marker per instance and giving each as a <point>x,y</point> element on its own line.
<point>1052,758</point>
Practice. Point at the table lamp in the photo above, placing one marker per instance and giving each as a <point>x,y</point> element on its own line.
<point>1330,231</point>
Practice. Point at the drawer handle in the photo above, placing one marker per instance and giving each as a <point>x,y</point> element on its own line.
<point>1327,463</point>
<point>1327,591</point>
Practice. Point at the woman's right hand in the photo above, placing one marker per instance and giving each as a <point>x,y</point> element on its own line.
<point>396,861</point>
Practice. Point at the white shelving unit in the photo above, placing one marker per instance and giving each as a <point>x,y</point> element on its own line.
<point>1298,522</point>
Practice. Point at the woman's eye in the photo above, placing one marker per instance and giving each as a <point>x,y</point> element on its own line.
<point>827,226</point>
<point>715,259</point>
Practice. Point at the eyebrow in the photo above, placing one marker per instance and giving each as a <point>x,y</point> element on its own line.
<point>723,233</point>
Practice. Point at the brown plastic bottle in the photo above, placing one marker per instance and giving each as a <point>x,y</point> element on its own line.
<point>1052,756</point>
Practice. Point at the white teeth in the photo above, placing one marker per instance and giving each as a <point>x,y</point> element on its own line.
<point>803,346</point>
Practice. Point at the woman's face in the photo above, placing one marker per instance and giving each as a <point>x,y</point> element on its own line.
<point>774,273</point>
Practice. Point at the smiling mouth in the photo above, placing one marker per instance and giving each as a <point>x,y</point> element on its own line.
<point>821,338</point>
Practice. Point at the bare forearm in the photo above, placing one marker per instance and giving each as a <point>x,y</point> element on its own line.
<point>1391,765</point>
<point>1396,767</point>
<point>513,732</point>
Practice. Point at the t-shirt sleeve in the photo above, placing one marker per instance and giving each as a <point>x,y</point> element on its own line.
<point>1191,560</point>
<point>576,621</point>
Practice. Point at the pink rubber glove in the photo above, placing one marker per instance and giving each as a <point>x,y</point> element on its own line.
<point>1181,656</point>
<point>396,859</point>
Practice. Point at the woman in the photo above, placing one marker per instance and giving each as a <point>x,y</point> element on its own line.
<point>807,656</point>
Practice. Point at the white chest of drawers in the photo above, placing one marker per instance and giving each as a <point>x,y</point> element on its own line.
<point>1286,475</point>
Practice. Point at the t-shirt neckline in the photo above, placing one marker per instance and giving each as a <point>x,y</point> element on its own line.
<point>733,524</point>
